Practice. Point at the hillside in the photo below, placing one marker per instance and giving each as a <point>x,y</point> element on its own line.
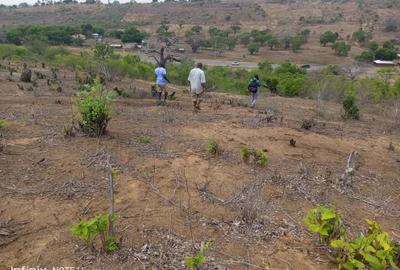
<point>170,192</point>
<point>282,18</point>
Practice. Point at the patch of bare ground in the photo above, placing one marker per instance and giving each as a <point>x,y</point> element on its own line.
<point>171,194</point>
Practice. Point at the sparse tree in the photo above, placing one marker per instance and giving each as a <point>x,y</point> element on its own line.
<point>253,48</point>
<point>273,42</point>
<point>328,37</point>
<point>341,48</point>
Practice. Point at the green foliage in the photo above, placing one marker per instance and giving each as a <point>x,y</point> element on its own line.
<point>341,48</point>
<point>367,56</point>
<point>290,85</point>
<point>287,68</point>
<point>350,107</point>
<point>196,261</point>
<point>13,52</point>
<point>362,36</point>
<point>87,230</point>
<point>373,46</point>
<point>3,124</point>
<point>133,35</point>
<point>325,222</point>
<point>94,109</point>
<point>200,258</point>
<point>144,139</point>
<point>54,35</point>
<point>103,51</point>
<point>245,152</point>
<point>253,47</point>
<point>273,43</point>
<point>213,147</point>
<point>372,250</point>
<point>245,38</point>
<point>111,245</point>
<point>328,37</point>
<point>385,54</point>
<point>260,157</point>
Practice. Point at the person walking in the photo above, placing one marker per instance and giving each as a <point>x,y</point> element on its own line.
<point>197,81</point>
<point>160,74</point>
<point>253,86</point>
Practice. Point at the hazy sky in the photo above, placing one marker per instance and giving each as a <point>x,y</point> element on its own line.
<point>16,2</point>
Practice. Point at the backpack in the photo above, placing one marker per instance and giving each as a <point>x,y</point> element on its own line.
<point>253,85</point>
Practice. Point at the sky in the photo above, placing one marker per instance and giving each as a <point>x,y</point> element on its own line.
<point>16,2</point>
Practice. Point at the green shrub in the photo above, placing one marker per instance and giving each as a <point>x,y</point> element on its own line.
<point>367,56</point>
<point>245,152</point>
<point>374,249</point>
<point>325,222</point>
<point>260,157</point>
<point>2,124</point>
<point>98,226</point>
<point>94,109</point>
<point>213,147</point>
<point>200,258</point>
<point>291,85</point>
<point>144,139</point>
<point>350,108</point>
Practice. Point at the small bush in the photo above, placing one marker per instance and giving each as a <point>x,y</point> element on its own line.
<point>350,108</point>
<point>245,152</point>
<point>213,147</point>
<point>374,249</point>
<point>143,139</point>
<point>200,258</point>
<point>325,222</point>
<point>98,226</point>
<point>2,124</point>
<point>94,110</point>
<point>260,157</point>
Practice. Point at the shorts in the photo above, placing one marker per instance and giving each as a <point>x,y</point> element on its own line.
<point>161,88</point>
<point>197,97</point>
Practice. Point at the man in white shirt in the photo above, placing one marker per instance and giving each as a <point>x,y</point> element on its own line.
<point>197,81</point>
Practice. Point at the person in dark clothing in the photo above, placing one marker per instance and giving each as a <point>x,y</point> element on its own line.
<point>253,87</point>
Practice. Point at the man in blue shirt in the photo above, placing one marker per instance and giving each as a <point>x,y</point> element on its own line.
<point>161,80</point>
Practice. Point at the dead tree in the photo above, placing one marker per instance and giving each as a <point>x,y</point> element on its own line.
<point>350,169</point>
<point>162,59</point>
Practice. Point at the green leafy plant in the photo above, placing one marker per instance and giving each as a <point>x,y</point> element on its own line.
<point>87,230</point>
<point>350,107</point>
<point>325,222</point>
<point>245,152</point>
<point>200,258</point>
<point>374,249</point>
<point>93,106</point>
<point>144,139</point>
<point>260,157</point>
<point>213,147</point>
<point>2,124</point>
